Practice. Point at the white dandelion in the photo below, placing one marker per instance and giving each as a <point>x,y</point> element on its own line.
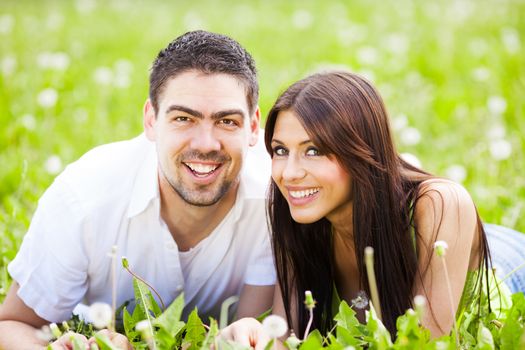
<point>100,314</point>
<point>497,131</point>
<point>53,60</point>
<point>361,301</point>
<point>53,164</point>
<point>410,136</point>
<point>397,43</point>
<point>7,22</point>
<point>8,65</point>
<point>497,105</point>
<point>103,75</point>
<point>302,19</point>
<point>457,173</point>
<point>440,247</point>
<point>411,159</point>
<point>481,74</point>
<point>367,55</point>
<point>47,98</point>
<point>511,40</point>
<point>500,149</point>
<point>28,121</point>
<point>275,326</point>
<point>399,122</point>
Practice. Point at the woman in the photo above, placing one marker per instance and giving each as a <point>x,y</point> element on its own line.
<point>338,186</point>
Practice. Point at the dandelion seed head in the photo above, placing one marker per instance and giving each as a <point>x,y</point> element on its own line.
<point>8,65</point>
<point>7,22</point>
<point>28,121</point>
<point>456,173</point>
<point>53,165</point>
<point>420,301</point>
<point>497,105</point>
<point>302,19</point>
<point>53,60</point>
<point>367,55</point>
<point>47,98</point>
<point>497,131</point>
<point>275,326</point>
<point>440,247</point>
<point>142,326</point>
<point>500,149</point>
<point>361,301</point>
<point>100,314</point>
<point>411,159</point>
<point>481,74</point>
<point>511,40</point>
<point>103,75</point>
<point>410,136</point>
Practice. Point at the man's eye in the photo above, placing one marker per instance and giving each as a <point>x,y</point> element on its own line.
<point>228,122</point>
<point>312,151</point>
<point>181,119</point>
<point>279,151</point>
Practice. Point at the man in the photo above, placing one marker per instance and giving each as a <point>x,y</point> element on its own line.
<point>184,202</point>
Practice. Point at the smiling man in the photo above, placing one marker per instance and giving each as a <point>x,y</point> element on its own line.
<point>184,202</point>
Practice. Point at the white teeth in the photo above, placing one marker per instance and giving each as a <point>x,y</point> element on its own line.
<point>304,193</point>
<point>201,168</point>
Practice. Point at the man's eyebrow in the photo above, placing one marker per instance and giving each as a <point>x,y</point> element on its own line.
<point>185,110</point>
<point>225,113</point>
<point>214,116</point>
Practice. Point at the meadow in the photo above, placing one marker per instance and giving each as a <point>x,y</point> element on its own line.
<point>74,74</point>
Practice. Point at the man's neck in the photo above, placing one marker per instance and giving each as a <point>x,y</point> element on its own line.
<point>190,224</point>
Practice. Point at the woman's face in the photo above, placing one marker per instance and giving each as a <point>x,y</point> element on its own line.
<point>314,184</point>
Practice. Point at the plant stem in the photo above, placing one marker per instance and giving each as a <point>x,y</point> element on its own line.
<point>113,288</point>
<point>149,286</point>
<point>369,262</point>
<point>451,301</point>
<point>309,324</point>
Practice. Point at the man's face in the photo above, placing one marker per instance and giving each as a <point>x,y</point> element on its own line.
<point>202,131</point>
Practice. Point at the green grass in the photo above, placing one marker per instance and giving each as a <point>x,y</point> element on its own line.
<point>437,63</point>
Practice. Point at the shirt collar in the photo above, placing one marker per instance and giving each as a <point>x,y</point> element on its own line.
<point>146,186</point>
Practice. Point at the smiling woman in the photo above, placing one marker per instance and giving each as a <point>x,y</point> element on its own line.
<point>339,185</point>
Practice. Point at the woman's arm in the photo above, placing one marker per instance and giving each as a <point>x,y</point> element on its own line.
<point>444,212</point>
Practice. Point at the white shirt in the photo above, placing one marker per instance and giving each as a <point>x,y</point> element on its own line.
<point>110,197</point>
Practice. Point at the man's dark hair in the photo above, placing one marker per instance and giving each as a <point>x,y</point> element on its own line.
<point>208,53</point>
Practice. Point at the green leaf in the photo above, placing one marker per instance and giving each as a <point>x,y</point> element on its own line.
<point>169,320</point>
<point>378,337</point>
<point>513,327</point>
<point>195,331</point>
<point>212,334</point>
<point>269,346</point>
<point>77,344</point>
<point>485,340</point>
<point>314,341</point>
<point>104,343</point>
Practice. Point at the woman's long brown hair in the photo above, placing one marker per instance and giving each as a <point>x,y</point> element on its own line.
<point>344,115</point>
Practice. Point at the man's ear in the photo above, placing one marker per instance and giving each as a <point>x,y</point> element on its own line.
<point>255,122</point>
<point>149,120</point>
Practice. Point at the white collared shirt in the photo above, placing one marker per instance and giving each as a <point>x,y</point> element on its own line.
<point>110,197</point>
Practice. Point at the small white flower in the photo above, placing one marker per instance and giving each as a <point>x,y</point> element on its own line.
<point>420,301</point>
<point>8,65</point>
<point>6,23</point>
<point>497,105</point>
<point>480,74</point>
<point>456,173</point>
<point>47,98</point>
<point>361,301</point>
<point>103,76</point>
<point>193,21</point>
<point>410,136</point>
<point>440,247</point>
<point>302,19</point>
<point>142,326</point>
<point>53,164</point>
<point>411,159</point>
<point>496,132</point>
<point>53,60</point>
<point>28,121</point>
<point>399,122</point>
<point>397,43</point>
<point>500,149</point>
<point>367,55</point>
<point>478,47</point>
<point>100,314</point>
<point>511,39</point>
<point>275,326</point>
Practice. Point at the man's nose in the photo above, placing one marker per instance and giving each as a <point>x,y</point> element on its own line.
<point>205,139</point>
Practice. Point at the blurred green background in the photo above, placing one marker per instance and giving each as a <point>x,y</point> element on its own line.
<point>73,74</point>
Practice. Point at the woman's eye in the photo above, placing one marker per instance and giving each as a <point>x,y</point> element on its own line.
<point>312,151</point>
<point>279,151</point>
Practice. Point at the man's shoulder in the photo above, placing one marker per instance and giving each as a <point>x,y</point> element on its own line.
<point>256,171</point>
<point>107,168</point>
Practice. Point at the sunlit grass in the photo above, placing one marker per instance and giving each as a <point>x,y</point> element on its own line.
<point>73,74</point>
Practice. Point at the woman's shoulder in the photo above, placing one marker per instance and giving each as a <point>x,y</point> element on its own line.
<point>443,205</point>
